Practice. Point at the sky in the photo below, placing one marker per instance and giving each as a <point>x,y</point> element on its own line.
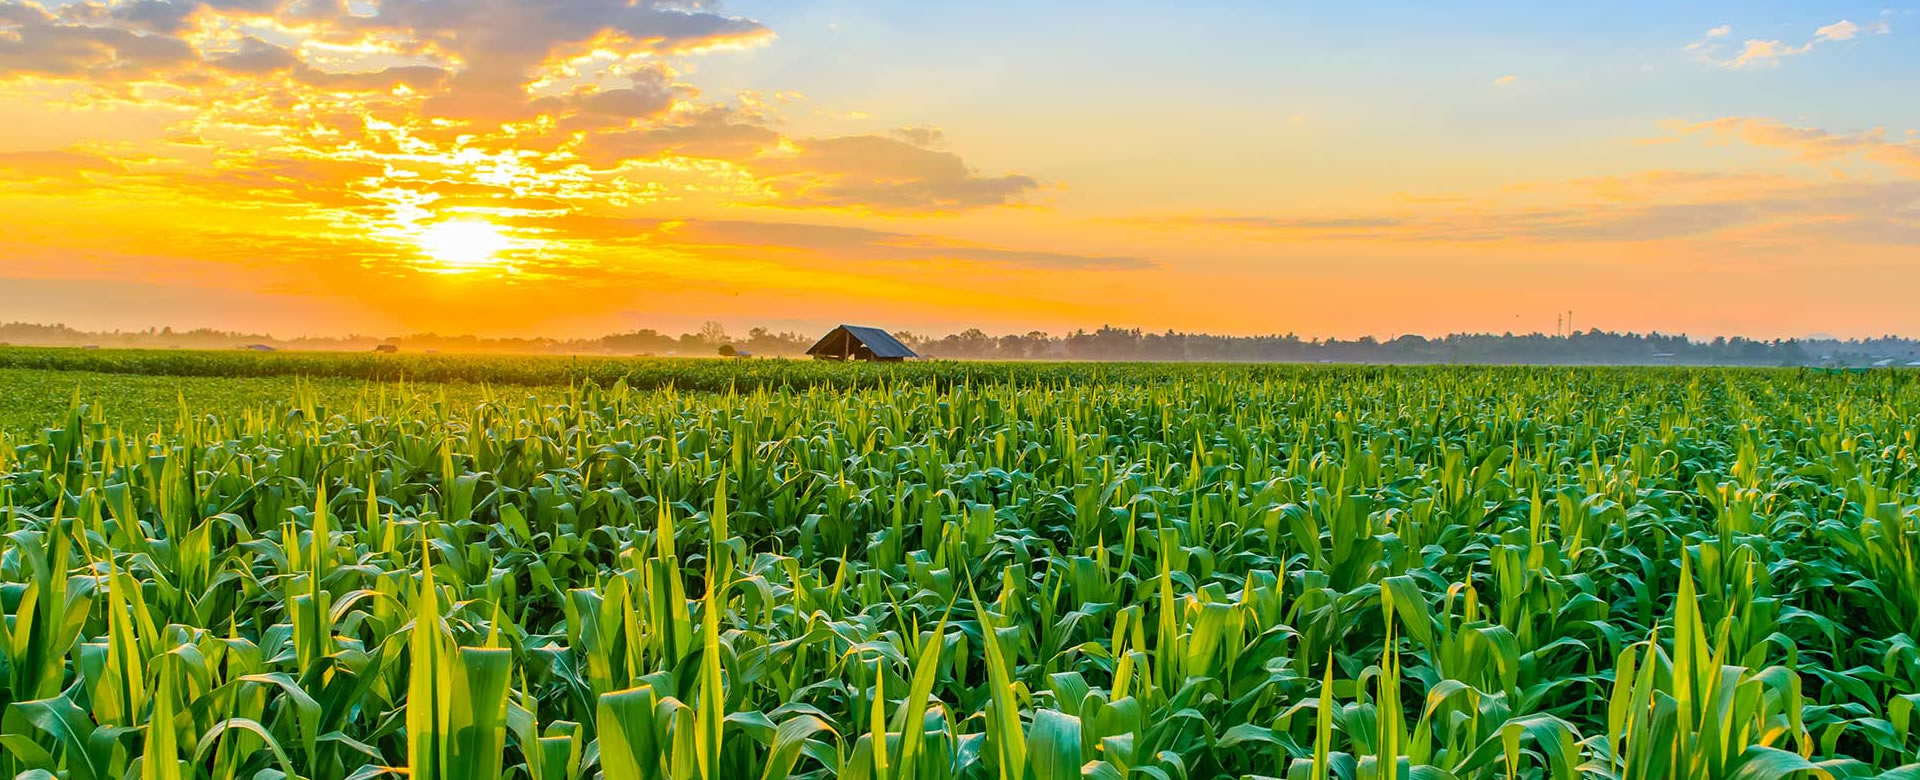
<point>579,167</point>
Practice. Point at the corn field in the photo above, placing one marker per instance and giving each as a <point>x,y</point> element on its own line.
<point>1188,573</point>
<point>548,370</point>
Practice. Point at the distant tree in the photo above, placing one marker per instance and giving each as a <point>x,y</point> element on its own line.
<point>969,343</point>
<point>1589,346</point>
<point>727,350</point>
<point>693,343</point>
<point>639,341</point>
<point>762,341</point>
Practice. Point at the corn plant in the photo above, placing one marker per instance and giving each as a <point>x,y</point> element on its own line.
<point>962,573</point>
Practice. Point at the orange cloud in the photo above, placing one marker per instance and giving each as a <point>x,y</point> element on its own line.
<point>852,243</point>
<point>885,174</point>
<point>1651,206</point>
<point>1814,143</point>
<point>353,132</point>
<point>65,166</point>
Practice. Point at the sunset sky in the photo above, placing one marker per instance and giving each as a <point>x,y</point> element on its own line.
<point>576,167</point>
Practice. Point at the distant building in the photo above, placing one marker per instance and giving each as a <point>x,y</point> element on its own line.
<point>387,349</point>
<point>855,342</point>
<point>258,348</point>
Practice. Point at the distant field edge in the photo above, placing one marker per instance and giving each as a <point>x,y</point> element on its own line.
<point>687,373</point>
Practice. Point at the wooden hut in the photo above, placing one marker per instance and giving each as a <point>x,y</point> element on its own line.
<point>854,342</point>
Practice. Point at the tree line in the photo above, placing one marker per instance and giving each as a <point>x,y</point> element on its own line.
<point>1105,343</point>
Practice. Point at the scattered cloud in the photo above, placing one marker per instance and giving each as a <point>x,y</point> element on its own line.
<point>885,174</point>
<point>1758,53</point>
<point>1844,30</point>
<point>708,133</point>
<point>1764,53</point>
<point>876,245</point>
<point>896,173</point>
<point>826,243</point>
<point>927,137</point>
<point>1861,212</point>
<point>68,169</point>
<point>1658,205</point>
<point>1302,224</point>
<point>1814,144</point>
<point>1505,80</point>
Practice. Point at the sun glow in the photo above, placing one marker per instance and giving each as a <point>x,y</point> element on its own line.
<point>462,246</point>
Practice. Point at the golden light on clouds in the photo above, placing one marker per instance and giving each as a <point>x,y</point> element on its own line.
<point>582,153</point>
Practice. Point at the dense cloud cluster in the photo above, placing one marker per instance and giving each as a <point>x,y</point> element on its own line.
<point>464,49</point>
<point>389,114</point>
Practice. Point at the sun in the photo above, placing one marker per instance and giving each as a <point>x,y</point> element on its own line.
<point>464,245</point>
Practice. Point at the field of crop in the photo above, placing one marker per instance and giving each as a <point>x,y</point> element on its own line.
<point>1002,572</point>
<point>31,400</point>
<point>549,370</point>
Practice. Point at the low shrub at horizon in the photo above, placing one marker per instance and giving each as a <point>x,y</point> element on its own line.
<point>1152,572</point>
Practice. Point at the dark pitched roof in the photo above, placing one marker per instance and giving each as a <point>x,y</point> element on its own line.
<point>880,342</point>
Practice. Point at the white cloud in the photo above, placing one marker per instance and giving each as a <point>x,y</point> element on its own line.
<point>1762,53</point>
<point>1844,30</point>
<point>1707,47</point>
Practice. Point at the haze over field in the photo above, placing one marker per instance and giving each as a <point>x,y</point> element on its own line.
<point>570,169</point>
